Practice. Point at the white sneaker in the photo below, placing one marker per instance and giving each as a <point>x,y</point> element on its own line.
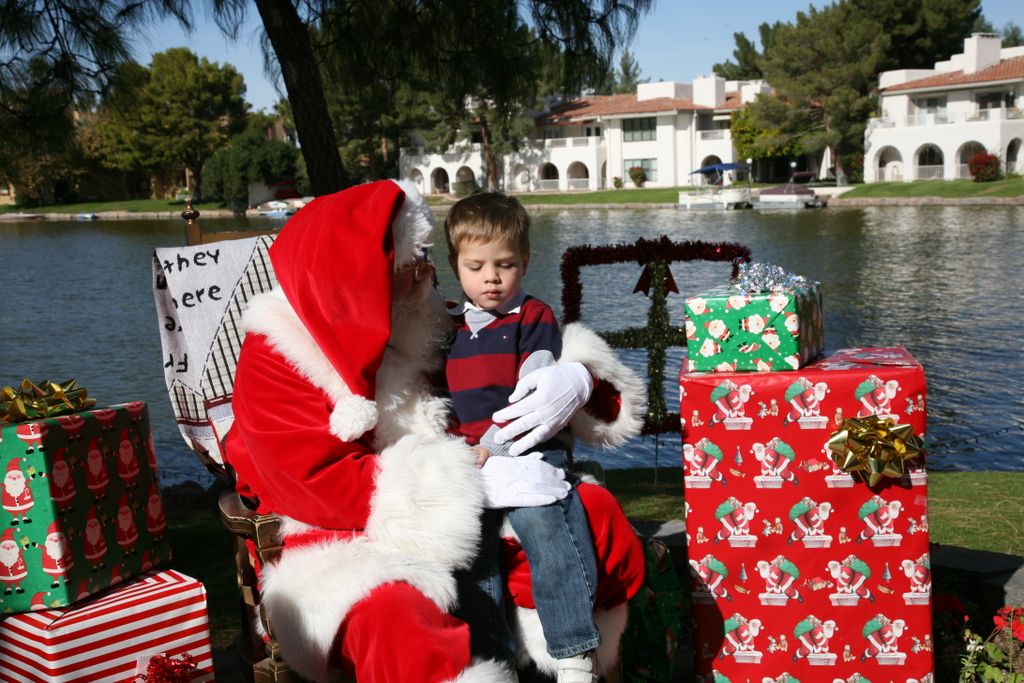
<point>577,669</point>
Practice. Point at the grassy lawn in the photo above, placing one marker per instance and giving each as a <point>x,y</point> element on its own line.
<point>127,205</point>
<point>1007,187</point>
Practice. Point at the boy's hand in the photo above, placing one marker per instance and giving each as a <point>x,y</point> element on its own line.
<point>543,403</point>
<point>481,454</point>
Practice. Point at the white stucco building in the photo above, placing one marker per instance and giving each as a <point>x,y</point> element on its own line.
<point>934,120</point>
<point>668,128</point>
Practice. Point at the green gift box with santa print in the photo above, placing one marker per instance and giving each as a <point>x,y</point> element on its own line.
<point>730,330</point>
<point>80,509</point>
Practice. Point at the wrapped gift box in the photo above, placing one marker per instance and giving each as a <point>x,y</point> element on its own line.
<point>80,505</point>
<point>112,637</point>
<point>797,566</point>
<point>728,330</point>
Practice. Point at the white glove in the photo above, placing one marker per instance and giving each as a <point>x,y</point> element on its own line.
<point>544,401</point>
<point>522,482</point>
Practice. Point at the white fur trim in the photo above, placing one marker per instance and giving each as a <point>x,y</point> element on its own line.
<point>531,646</point>
<point>581,345</point>
<point>424,523</point>
<point>486,671</point>
<point>352,417</point>
<point>427,501</point>
<point>413,226</point>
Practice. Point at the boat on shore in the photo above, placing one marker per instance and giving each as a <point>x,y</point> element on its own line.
<point>276,209</point>
<point>720,192</point>
<point>794,194</point>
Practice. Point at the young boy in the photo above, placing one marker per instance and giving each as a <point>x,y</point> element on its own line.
<point>503,335</point>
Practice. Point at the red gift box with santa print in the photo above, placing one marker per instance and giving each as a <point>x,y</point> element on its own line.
<point>799,568</point>
<point>113,637</point>
<point>80,509</point>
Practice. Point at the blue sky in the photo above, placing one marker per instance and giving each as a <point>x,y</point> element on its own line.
<point>678,40</point>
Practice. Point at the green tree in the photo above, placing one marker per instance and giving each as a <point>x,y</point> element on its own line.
<point>920,32</point>
<point>1013,35</point>
<point>628,76</point>
<point>186,110</point>
<point>753,142</point>
<point>823,67</point>
<point>747,66</point>
<point>586,30</point>
<point>248,157</point>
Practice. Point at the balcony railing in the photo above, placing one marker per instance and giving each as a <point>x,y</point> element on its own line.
<point>716,134</point>
<point>552,143</point>
<point>926,119</point>
<point>963,171</point>
<point>579,183</point>
<point>547,184</point>
<point>928,172</point>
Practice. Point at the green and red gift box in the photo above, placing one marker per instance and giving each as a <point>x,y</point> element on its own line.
<point>729,330</point>
<point>799,567</point>
<point>81,509</point>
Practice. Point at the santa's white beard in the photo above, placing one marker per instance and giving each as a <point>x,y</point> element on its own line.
<point>15,485</point>
<point>60,476</point>
<point>9,554</point>
<point>124,520</point>
<point>92,532</point>
<point>420,326</point>
<point>55,548</point>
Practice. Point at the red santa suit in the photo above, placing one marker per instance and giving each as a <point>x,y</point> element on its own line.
<point>62,483</point>
<point>57,559</point>
<point>16,497</point>
<point>156,520</point>
<point>347,442</point>
<point>127,531</point>
<point>94,541</point>
<point>12,565</point>
<point>127,462</point>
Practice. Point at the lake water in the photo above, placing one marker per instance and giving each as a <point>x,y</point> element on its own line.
<point>945,282</point>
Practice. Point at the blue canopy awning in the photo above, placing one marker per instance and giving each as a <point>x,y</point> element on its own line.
<point>720,168</point>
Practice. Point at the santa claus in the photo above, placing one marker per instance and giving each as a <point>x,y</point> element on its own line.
<point>127,531</point>
<point>17,494</point>
<point>62,483</point>
<point>96,477</point>
<point>380,505</point>
<point>127,462</point>
<point>156,521</point>
<point>95,542</point>
<point>12,564</point>
<point>57,559</point>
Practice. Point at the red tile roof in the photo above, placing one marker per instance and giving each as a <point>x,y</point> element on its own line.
<point>1007,69</point>
<point>589,108</point>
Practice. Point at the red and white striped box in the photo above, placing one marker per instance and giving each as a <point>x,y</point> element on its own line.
<point>112,637</point>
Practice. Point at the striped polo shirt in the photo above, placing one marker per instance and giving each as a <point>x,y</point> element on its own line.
<point>483,365</point>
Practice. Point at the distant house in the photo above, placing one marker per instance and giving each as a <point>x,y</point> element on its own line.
<point>668,128</point>
<point>7,194</point>
<point>934,120</point>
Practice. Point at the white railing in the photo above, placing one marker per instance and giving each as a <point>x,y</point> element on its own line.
<point>579,183</point>
<point>926,119</point>
<point>964,171</point>
<point>717,134</point>
<point>581,142</point>
<point>555,142</point>
<point>883,122</point>
<point>979,115</point>
<point>547,184</point>
<point>928,172</point>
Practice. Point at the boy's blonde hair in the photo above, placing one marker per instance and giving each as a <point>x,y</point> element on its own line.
<point>487,217</point>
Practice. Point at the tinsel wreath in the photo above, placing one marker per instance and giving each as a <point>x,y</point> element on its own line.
<point>655,281</point>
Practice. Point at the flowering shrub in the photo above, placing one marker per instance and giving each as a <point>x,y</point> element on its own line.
<point>1000,657</point>
<point>638,175</point>
<point>984,167</point>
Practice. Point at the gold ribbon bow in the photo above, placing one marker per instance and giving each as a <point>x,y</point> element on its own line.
<point>874,448</point>
<point>34,401</point>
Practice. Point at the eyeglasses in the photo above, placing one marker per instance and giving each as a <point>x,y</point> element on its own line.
<point>421,268</point>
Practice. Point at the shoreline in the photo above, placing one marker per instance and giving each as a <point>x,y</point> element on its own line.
<point>833,202</point>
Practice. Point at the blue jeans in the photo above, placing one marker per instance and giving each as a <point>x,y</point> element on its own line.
<point>557,542</point>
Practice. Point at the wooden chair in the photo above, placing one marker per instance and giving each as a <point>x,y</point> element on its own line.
<point>256,536</point>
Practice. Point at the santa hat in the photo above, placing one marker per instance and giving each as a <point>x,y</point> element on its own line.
<point>8,535</point>
<point>91,515</point>
<point>14,465</point>
<point>335,261</point>
<point>38,602</point>
<point>123,502</point>
<point>54,528</point>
